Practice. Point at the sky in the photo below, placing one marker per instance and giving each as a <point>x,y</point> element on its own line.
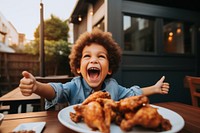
<point>25,14</point>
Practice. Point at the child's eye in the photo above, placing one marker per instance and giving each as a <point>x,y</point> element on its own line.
<point>86,56</point>
<point>102,56</point>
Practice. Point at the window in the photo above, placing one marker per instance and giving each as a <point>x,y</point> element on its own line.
<point>138,34</point>
<point>177,37</point>
<point>101,25</point>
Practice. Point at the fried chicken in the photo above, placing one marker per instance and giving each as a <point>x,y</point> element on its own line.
<point>110,109</point>
<point>132,103</point>
<point>93,115</point>
<point>147,117</point>
<point>98,111</point>
<point>95,95</point>
<point>77,116</point>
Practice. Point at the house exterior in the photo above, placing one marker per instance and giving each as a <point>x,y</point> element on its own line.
<point>160,38</point>
<point>8,35</point>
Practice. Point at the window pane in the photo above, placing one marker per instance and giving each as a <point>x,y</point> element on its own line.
<point>177,37</point>
<point>100,25</point>
<point>138,34</point>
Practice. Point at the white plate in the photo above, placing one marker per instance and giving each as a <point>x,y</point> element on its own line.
<point>175,119</point>
<point>35,126</point>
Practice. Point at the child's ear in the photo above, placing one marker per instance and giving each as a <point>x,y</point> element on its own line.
<point>110,72</point>
<point>78,70</point>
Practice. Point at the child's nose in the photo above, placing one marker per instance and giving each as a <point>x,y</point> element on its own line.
<point>93,60</point>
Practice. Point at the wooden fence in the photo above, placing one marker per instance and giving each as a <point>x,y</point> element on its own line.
<point>12,65</point>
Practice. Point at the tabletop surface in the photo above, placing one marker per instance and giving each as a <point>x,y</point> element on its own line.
<point>16,95</point>
<point>53,125</point>
<point>15,98</point>
<point>189,113</point>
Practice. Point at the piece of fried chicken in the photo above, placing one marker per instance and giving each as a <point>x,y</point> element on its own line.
<point>110,108</point>
<point>97,114</point>
<point>77,116</point>
<point>148,117</point>
<point>132,103</point>
<point>95,95</point>
<point>92,114</point>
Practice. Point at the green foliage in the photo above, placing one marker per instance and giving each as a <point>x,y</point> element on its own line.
<point>54,29</point>
<point>55,39</point>
<point>56,45</point>
<point>56,49</point>
<point>32,47</point>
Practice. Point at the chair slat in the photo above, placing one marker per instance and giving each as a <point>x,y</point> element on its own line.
<point>194,86</point>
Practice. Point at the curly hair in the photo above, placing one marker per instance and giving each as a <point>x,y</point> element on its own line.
<point>99,37</point>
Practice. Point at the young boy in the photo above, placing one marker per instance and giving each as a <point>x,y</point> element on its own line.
<point>94,58</point>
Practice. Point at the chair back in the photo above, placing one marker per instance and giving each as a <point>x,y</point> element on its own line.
<point>60,78</point>
<point>194,86</point>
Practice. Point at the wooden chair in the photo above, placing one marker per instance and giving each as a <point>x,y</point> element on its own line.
<point>4,108</point>
<point>194,86</point>
<point>47,79</point>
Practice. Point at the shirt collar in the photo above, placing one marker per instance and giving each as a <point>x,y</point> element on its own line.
<point>87,88</point>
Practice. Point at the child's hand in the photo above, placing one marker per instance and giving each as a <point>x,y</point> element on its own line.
<point>162,87</point>
<point>27,84</point>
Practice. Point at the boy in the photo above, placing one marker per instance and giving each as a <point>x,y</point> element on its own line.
<point>94,58</point>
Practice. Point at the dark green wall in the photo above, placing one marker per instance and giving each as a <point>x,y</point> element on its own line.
<point>145,70</point>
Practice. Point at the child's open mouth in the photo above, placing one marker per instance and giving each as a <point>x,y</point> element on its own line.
<point>93,73</point>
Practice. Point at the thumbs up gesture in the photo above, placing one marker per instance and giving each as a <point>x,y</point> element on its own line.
<point>27,84</point>
<point>161,86</point>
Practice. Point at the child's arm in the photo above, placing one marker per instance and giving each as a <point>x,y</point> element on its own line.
<point>29,85</point>
<point>160,87</point>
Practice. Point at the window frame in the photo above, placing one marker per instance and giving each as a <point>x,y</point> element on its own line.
<point>160,13</point>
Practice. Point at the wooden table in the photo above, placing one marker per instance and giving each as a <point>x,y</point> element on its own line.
<point>15,98</point>
<point>57,78</point>
<point>53,125</point>
<point>190,114</point>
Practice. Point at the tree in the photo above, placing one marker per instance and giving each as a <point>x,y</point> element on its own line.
<point>56,43</point>
<point>31,47</point>
<point>57,52</point>
<point>54,29</point>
